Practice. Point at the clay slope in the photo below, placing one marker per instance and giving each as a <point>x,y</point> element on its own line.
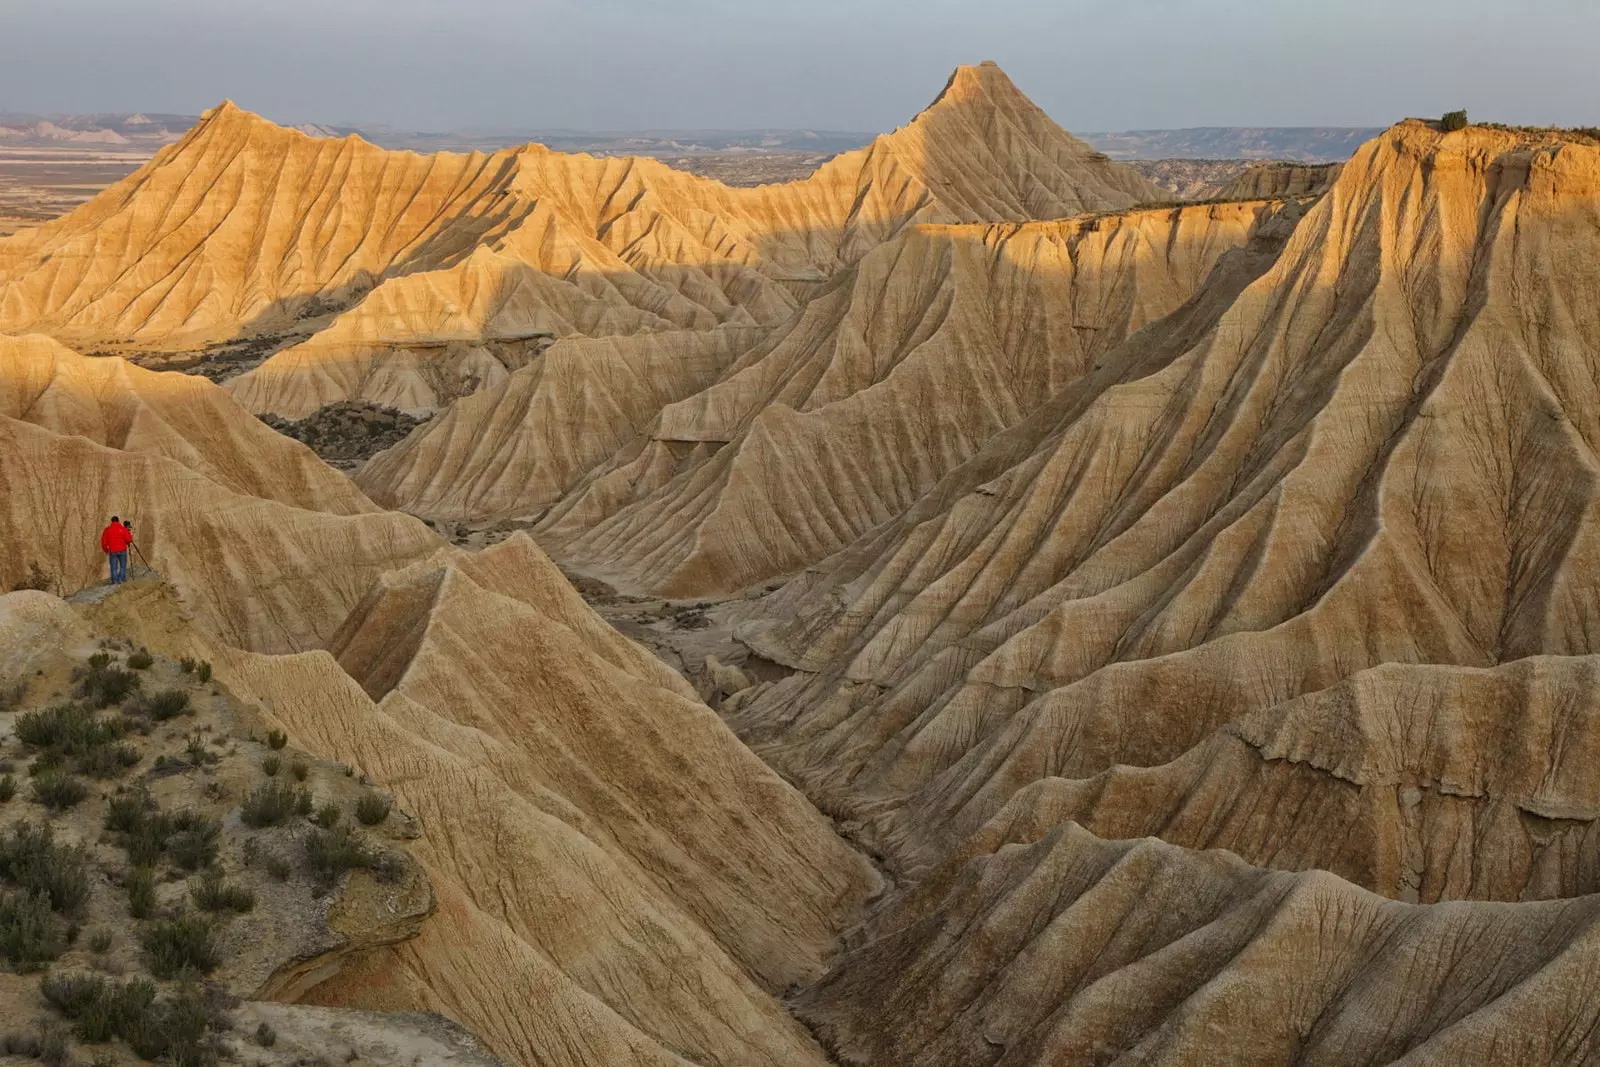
<point>1379,452</point>
<point>455,265</point>
<point>1073,950</point>
<point>773,451</point>
<point>175,416</point>
<point>619,880</point>
<point>1420,782</point>
<point>245,226</point>
<point>622,246</point>
<point>270,547</point>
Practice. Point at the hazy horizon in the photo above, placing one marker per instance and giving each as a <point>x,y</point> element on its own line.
<point>625,65</point>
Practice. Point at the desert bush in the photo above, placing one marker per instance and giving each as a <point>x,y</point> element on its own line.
<point>8,787</point>
<point>58,791</point>
<point>71,729</point>
<point>330,853</point>
<point>31,935</point>
<point>193,842</point>
<point>327,816</point>
<point>183,945</point>
<point>141,660</point>
<point>270,765</point>
<point>104,684</point>
<point>1453,120</point>
<point>55,1047</point>
<point>299,770</point>
<point>32,861</point>
<point>141,887</point>
<point>24,1045</point>
<point>99,1010</point>
<point>158,707</point>
<point>271,804</point>
<point>12,695</point>
<point>100,941</point>
<point>188,837</point>
<point>178,1029</point>
<point>372,808</point>
<point>182,1030</point>
<point>215,894</point>
<point>266,1036</point>
<point>276,739</point>
<point>278,867</point>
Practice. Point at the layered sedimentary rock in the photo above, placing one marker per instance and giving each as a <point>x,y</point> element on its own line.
<point>619,880</point>
<point>1072,950</point>
<point>780,448</point>
<point>1267,180</point>
<point>175,416</point>
<point>270,547</point>
<point>1377,453</point>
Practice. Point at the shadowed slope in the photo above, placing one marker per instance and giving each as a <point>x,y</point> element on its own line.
<point>612,865</point>
<point>1074,950</point>
<point>176,416</point>
<point>816,432</point>
<point>1379,453</point>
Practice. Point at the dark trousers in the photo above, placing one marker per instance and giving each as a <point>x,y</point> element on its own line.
<point>119,566</point>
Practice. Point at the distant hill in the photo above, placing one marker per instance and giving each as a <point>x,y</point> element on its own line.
<point>1308,144</point>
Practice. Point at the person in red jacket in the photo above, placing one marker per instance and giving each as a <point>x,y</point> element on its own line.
<point>114,542</point>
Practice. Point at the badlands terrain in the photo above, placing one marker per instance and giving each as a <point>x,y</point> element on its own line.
<point>966,606</point>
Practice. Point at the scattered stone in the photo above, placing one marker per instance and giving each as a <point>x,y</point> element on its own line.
<point>348,433</point>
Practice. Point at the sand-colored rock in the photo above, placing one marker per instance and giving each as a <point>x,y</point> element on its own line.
<point>1347,467</point>
<point>173,416</point>
<point>1266,181</point>
<point>1073,950</point>
<point>270,547</point>
<point>619,880</point>
<point>933,344</point>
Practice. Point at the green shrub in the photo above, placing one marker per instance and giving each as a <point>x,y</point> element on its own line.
<point>329,853</point>
<point>32,861</point>
<point>158,707</point>
<point>180,946</point>
<point>105,684</point>
<point>141,887</point>
<point>8,787</point>
<point>194,839</point>
<point>1453,120</point>
<point>214,894</point>
<point>31,935</point>
<point>276,739</point>
<point>299,770</point>
<point>70,729</point>
<point>107,761</point>
<point>372,808</point>
<point>141,660</point>
<point>58,791</point>
<point>271,804</point>
<point>99,661</point>
<point>100,1010</point>
<point>266,1036</point>
<point>12,695</point>
<point>203,671</point>
<point>327,816</point>
<point>178,1029</point>
<point>182,1030</point>
<point>100,941</point>
<point>270,765</point>
<point>55,1047</point>
<point>278,867</point>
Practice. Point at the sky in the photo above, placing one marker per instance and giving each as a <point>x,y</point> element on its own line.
<point>865,65</point>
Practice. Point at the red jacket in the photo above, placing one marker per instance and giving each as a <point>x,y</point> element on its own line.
<point>115,538</point>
